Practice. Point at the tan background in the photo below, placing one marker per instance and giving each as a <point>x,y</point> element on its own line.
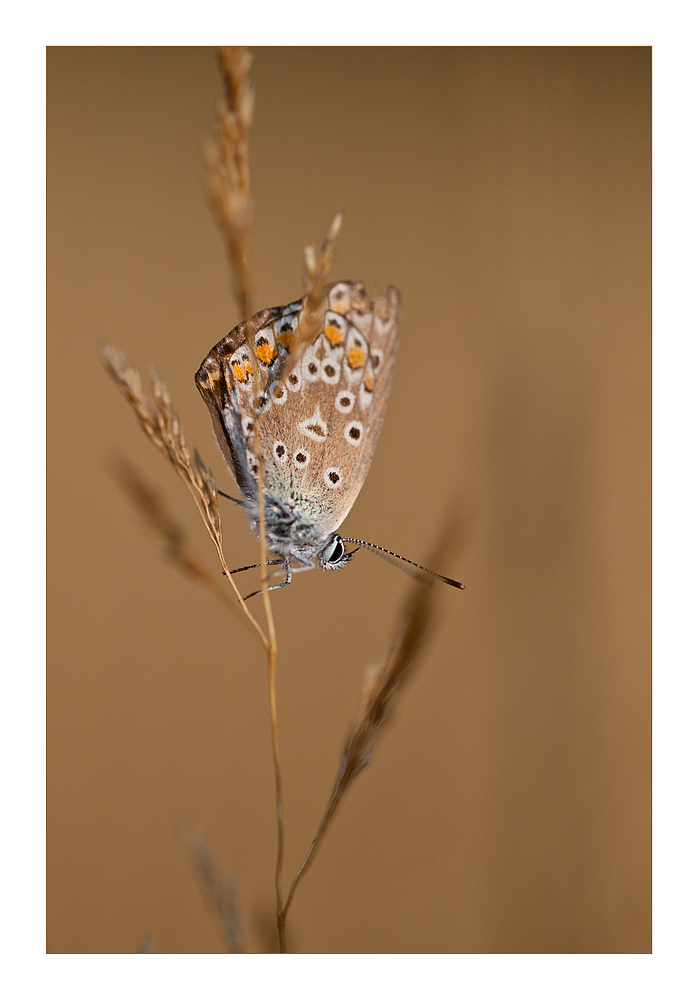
<point>506,192</point>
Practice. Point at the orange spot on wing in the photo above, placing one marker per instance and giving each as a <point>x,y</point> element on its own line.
<point>286,338</point>
<point>356,357</point>
<point>265,353</point>
<point>333,334</point>
<point>369,383</point>
<point>241,372</point>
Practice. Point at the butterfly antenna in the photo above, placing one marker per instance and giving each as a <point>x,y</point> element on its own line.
<point>387,554</point>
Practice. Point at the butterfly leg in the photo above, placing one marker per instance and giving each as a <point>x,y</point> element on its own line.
<point>241,569</point>
<point>277,586</point>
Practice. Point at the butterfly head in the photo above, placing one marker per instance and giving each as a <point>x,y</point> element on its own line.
<point>334,555</point>
<point>297,539</point>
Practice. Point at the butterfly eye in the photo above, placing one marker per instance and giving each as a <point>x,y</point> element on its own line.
<point>337,552</point>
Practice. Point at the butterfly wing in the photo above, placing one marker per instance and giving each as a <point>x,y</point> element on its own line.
<point>226,380</point>
<point>319,425</point>
<point>338,410</point>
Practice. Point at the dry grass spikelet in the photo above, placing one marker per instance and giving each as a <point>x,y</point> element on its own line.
<point>228,165</point>
<point>315,274</point>
<point>383,684</point>
<point>219,888</point>
<point>162,426</point>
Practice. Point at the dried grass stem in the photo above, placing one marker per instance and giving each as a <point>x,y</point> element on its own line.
<point>315,274</point>
<point>228,166</point>
<point>383,685</point>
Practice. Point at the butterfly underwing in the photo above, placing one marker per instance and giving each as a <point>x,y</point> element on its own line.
<point>318,424</point>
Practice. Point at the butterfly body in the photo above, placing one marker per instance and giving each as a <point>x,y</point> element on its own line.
<point>318,423</point>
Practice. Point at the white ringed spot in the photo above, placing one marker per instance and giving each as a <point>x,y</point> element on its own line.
<point>279,393</point>
<point>332,477</point>
<point>339,297</point>
<point>344,401</point>
<point>293,379</point>
<point>331,370</point>
<point>310,365</point>
<point>280,452</point>
<point>300,458</point>
<point>354,432</point>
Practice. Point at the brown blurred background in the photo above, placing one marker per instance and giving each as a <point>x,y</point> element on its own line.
<point>506,192</point>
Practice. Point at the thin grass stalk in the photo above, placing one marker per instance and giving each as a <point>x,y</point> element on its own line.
<point>381,689</point>
<point>312,311</point>
<point>308,326</point>
<point>272,650</point>
<point>229,177</point>
<point>315,274</point>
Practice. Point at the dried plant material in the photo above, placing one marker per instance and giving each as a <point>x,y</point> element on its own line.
<point>220,890</point>
<point>384,684</point>
<point>228,166</point>
<point>315,275</point>
<point>227,160</point>
<point>162,426</point>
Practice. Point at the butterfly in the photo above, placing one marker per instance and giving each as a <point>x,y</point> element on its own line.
<point>318,424</point>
